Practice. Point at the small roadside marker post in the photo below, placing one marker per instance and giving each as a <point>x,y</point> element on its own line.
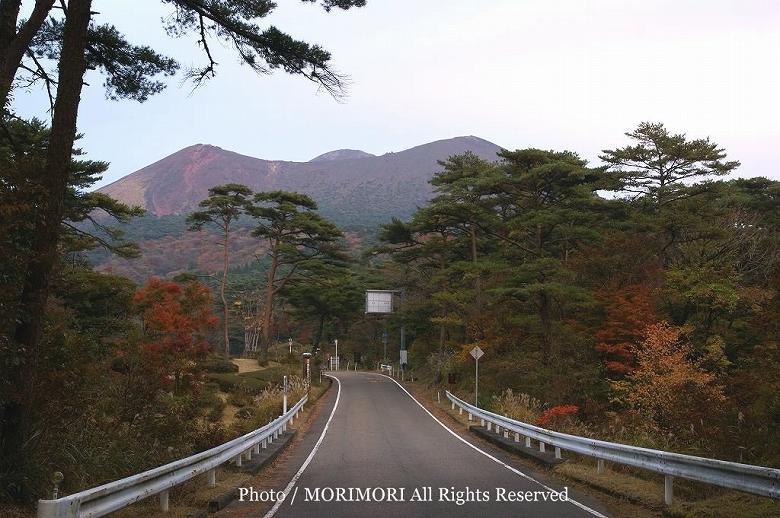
<point>477,353</point>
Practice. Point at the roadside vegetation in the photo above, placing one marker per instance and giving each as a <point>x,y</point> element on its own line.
<point>635,301</point>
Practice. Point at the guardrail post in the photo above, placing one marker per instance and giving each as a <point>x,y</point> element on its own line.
<point>517,437</point>
<point>237,460</point>
<point>600,466</point>
<point>506,433</point>
<point>541,446</point>
<point>438,396</point>
<point>264,444</point>
<point>489,425</point>
<point>471,417</point>
<point>460,410</point>
<point>498,429</point>
<point>256,449</point>
<point>557,452</point>
<point>164,501</point>
<point>481,422</point>
<point>668,489</point>
<point>527,442</point>
<point>453,405</point>
<point>211,477</point>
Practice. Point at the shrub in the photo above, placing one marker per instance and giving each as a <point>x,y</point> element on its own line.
<point>556,414</point>
<point>218,364</point>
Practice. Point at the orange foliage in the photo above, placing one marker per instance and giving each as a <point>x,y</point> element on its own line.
<point>668,386</point>
<point>629,311</point>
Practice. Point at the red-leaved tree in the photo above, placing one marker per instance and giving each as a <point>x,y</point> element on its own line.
<point>176,319</point>
<point>629,311</point>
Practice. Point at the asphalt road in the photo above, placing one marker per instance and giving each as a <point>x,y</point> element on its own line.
<point>378,443</point>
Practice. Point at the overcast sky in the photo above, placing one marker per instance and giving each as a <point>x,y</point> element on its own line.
<point>551,74</point>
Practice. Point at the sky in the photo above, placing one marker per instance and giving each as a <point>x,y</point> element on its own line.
<point>552,74</point>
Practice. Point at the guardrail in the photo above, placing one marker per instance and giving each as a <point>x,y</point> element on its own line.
<point>757,480</point>
<point>387,368</point>
<point>110,497</point>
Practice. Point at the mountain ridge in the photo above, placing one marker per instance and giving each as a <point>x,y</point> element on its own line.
<point>175,184</point>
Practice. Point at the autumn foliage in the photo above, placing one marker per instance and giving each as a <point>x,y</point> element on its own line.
<point>176,319</point>
<point>557,413</point>
<point>628,312</point>
<point>669,388</point>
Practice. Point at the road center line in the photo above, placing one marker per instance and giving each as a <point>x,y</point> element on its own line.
<point>305,464</point>
<point>491,457</point>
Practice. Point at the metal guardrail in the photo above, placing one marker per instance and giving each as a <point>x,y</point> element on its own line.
<point>757,480</point>
<point>110,497</point>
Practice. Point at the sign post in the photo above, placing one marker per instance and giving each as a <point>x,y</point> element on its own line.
<point>477,353</point>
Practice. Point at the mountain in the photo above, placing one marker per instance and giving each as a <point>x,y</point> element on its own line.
<point>355,189</point>
<point>341,154</point>
<point>350,186</point>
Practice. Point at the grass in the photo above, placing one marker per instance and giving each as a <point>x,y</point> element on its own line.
<point>194,495</point>
<point>691,500</point>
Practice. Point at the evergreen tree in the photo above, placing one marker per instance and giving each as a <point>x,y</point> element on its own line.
<point>298,240</point>
<point>225,204</point>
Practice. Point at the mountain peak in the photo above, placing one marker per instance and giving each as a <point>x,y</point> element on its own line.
<point>341,154</point>
<point>349,185</point>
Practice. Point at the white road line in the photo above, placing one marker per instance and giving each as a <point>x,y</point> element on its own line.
<point>486,454</point>
<point>305,464</point>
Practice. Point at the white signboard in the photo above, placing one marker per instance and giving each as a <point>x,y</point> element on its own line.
<point>477,353</point>
<point>378,301</point>
<point>403,357</point>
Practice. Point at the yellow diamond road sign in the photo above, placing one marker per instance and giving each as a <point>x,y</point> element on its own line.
<point>477,353</point>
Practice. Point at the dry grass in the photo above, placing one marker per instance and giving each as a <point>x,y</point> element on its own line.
<point>629,494</point>
<point>644,492</point>
<point>194,495</point>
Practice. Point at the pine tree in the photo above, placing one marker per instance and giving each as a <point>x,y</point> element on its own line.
<point>298,241</point>
<point>225,204</point>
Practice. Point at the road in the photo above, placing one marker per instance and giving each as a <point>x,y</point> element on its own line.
<point>376,437</point>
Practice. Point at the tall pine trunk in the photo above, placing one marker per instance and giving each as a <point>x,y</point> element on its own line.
<point>225,312</point>
<point>14,44</point>
<point>320,330</point>
<point>268,307</point>
<point>44,247</point>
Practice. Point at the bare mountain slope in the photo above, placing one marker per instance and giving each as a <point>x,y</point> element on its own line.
<point>350,186</point>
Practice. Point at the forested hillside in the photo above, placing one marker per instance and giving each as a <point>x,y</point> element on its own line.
<point>636,301</point>
<point>356,190</point>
